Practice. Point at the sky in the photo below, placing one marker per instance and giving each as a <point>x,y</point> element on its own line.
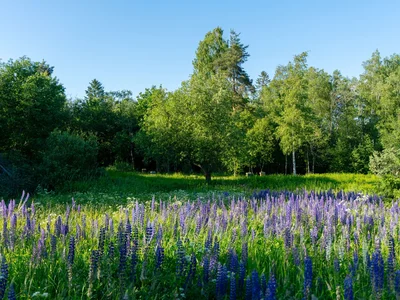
<point>133,45</point>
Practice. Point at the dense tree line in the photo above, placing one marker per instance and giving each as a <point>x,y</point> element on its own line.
<point>302,120</point>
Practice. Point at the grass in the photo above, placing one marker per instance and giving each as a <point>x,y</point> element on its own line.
<point>120,187</point>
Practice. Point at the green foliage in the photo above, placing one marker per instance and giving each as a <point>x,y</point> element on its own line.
<point>32,104</point>
<point>67,158</point>
<point>386,164</point>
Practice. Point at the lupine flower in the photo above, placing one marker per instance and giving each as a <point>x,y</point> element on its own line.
<point>271,288</point>
<point>244,253</point>
<point>390,270</point>
<point>11,293</point>
<point>102,238</point>
<point>3,277</point>
<point>159,256</point>
<point>221,282</point>
<point>248,291</point>
<point>378,272</point>
<point>192,270</point>
<point>308,277</point>
<point>232,292</point>
<point>263,284</point>
<point>57,226</point>
<point>206,268</point>
<point>242,275</point>
<point>134,261</point>
<point>397,283</point>
<point>336,265</point>
<point>71,252</point>
<point>348,288</point>
<point>255,286</point>
<point>296,256</point>
<point>180,257</point>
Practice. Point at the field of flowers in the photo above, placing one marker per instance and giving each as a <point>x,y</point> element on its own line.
<point>274,245</point>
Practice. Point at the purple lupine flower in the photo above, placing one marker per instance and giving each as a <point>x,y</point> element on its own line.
<point>149,232</point>
<point>248,289</point>
<point>5,233</point>
<point>348,288</point>
<point>378,271</point>
<point>255,286</point>
<point>11,293</point>
<point>206,269</point>
<point>221,283</point>
<point>3,277</point>
<point>102,237</point>
<point>232,292</point>
<point>244,253</point>
<point>296,256</point>
<point>57,226</point>
<point>271,288</point>
<point>288,238</point>
<point>134,261</point>
<point>336,265</point>
<point>355,263</point>
<point>263,284</point>
<point>233,261</point>
<point>391,246</point>
<point>159,256</point>
<point>208,242</point>
<point>308,277</point>
<point>122,258</point>
<point>390,270</point>
<point>192,270</point>
<point>71,252</point>
<point>159,235</point>
<point>397,283</point>
<point>180,257</point>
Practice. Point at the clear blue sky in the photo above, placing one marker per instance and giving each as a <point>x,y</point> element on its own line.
<point>136,44</point>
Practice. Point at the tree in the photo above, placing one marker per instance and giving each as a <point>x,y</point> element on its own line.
<point>32,105</point>
<point>95,114</point>
<point>292,124</point>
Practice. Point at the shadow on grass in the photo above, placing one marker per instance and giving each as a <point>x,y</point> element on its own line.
<point>137,183</point>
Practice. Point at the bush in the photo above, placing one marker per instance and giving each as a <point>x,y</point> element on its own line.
<point>386,164</point>
<point>68,157</point>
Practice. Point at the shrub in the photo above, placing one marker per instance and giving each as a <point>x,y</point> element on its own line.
<point>386,164</point>
<point>68,157</point>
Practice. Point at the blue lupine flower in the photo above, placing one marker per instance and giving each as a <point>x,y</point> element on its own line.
<point>248,291</point>
<point>180,257</point>
<point>336,265</point>
<point>271,288</point>
<point>255,286</point>
<point>206,269</point>
<point>348,288</point>
<point>397,283</point>
<point>232,293</point>
<point>11,292</point>
<point>222,279</point>
<point>378,271</point>
<point>308,277</point>
<point>71,252</point>
<point>159,256</point>
<point>242,275</point>
<point>263,284</point>
<point>3,277</point>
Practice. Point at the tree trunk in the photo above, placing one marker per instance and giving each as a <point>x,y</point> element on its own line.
<point>294,162</point>
<point>285,164</point>
<point>132,157</point>
<point>308,163</point>
<point>207,174</point>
